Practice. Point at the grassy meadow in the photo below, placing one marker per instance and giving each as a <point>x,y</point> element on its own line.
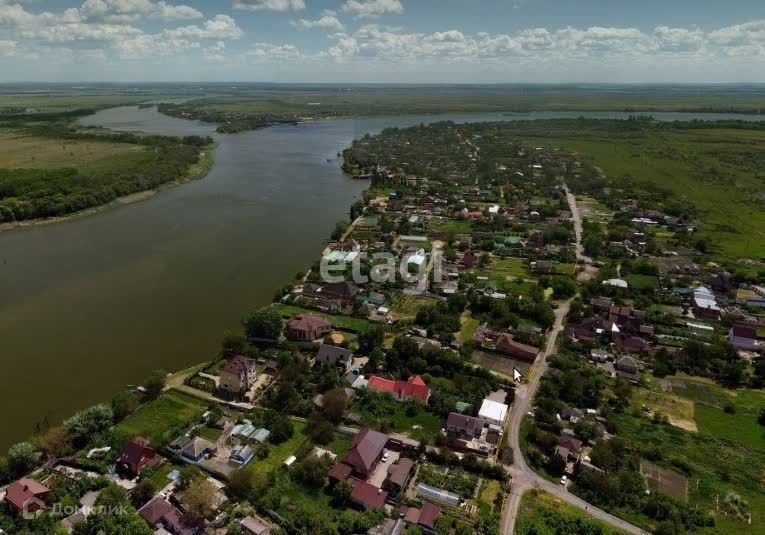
<point>541,513</point>
<point>720,170</point>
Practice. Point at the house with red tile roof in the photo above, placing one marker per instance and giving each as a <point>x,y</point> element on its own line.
<point>26,495</point>
<point>137,455</point>
<point>414,387</point>
<point>507,346</point>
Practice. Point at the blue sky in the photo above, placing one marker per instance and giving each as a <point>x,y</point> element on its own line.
<point>452,41</point>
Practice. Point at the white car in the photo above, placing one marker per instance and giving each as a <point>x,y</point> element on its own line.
<point>385,457</point>
<point>563,480</point>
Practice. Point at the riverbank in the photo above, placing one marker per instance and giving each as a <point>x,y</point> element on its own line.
<point>197,171</point>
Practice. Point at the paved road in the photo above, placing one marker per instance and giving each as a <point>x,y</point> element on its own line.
<point>523,477</point>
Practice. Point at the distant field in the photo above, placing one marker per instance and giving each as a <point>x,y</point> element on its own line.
<point>59,103</point>
<point>720,170</point>
<point>20,151</point>
<point>406,306</point>
<point>541,513</point>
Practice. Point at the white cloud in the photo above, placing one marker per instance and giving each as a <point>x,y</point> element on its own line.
<point>7,47</point>
<point>327,22</point>
<point>219,27</point>
<point>373,8</point>
<point>272,5</point>
<point>132,10</point>
<point>264,52</point>
<point>215,52</point>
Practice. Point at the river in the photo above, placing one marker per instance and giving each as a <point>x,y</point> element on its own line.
<point>92,304</point>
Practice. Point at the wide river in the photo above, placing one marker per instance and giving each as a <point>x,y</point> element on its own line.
<point>92,304</point>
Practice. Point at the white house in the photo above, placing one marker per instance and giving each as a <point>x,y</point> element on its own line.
<point>493,412</point>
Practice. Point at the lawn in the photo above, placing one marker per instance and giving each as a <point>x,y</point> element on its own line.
<point>451,226</point>
<point>504,269</point>
<point>278,453</point>
<point>162,419</point>
<point>469,327</point>
<point>384,413</point>
<point>741,426</point>
<point>406,306</point>
<point>679,410</point>
<point>642,282</point>
<point>209,433</point>
<point>345,323</point>
<point>714,466</point>
<point>541,513</point>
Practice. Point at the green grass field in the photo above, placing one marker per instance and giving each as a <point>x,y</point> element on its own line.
<point>344,323</point>
<point>541,513</point>
<point>406,306</point>
<point>278,453</point>
<point>714,466</point>
<point>642,282</point>
<point>504,269</point>
<point>718,169</point>
<point>160,420</point>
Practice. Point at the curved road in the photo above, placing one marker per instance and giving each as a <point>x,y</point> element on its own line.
<point>523,477</point>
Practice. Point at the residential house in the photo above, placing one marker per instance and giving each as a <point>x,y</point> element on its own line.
<point>463,427</point>
<point>338,357</point>
<point>307,328</point>
<point>26,495</point>
<point>744,338</point>
<point>161,514</point>
<point>242,454</point>
<point>238,375</point>
<point>413,388</point>
<point>365,452</point>
<point>398,475</point>
<point>509,347</point>
<point>197,450</point>
<point>136,455</point>
<point>341,292</point>
<point>628,368</point>
<point>493,412</point>
<point>366,496</point>
<point>424,518</point>
<point>568,447</point>
<point>704,304</point>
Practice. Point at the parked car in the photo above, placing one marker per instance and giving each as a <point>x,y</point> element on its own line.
<point>563,480</point>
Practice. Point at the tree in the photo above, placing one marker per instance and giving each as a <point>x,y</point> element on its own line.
<point>188,474</point>
<point>342,493</point>
<point>22,457</point>
<point>89,423</point>
<point>264,323</point>
<point>761,417</point>
<point>123,404</point>
<point>334,404</point>
<point>320,430</point>
<point>556,465</point>
<point>281,429</point>
<point>155,383</point>
<point>313,471</point>
<point>247,482</point>
<point>371,339</point>
<point>199,499</point>
<point>143,492</point>
<point>232,344</point>
<point>125,523</point>
<point>56,442</point>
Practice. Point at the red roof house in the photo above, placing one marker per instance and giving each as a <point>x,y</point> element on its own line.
<point>415,387</point>
<point>367,495</point>
<point>425,517</point>
<point>26,495</point>
<point>365,452</point>
<point>137,455</point>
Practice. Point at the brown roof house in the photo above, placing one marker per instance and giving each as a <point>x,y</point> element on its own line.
<point>26,495</point>
<point>365,452</point>
<point>424,518</point>
<point>509,347</point>
<point>628,368</point>
<point>255,526</point>
<point>137,455</point>
<point>307,328</point>
<point>238,375</point>
<point>398,475</point>
<point>161,514</point>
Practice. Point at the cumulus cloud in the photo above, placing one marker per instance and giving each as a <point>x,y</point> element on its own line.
<point>132,10</point>
<point>272,5</point>
<point>326,22</point>
<point>373,8</point>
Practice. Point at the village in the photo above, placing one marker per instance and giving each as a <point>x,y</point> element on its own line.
<point>385,403</point>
